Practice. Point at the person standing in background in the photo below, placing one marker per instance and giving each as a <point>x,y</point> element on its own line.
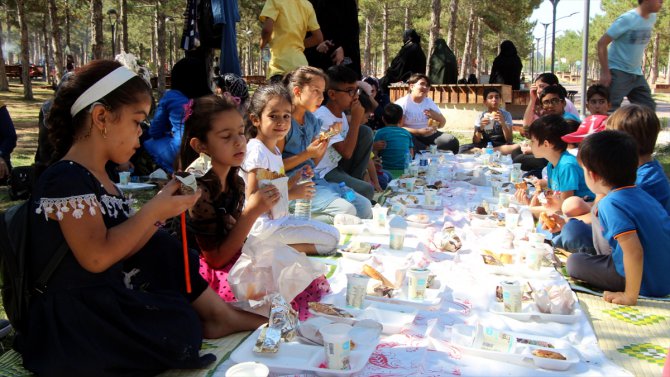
<point>621,64</point>
<point>7,142</point>
<point>507,66</point>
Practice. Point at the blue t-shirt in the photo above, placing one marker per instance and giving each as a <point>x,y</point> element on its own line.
<point>571,116</point>
<point>631,34</point>
<point>652,179</point>
<point>567,175</point>
<point>299,137</point>
<point>398,142</point>
<point>630,209</point>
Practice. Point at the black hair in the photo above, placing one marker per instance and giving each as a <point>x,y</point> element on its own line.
<point>612,155</point>
<point>598,89</point>
<point>259,100</point>
<point>392,114</point>
<point>365,101</point>
<point>199,123</point>
<point>416,77</point>
<point>553,89</point>
<point>339,74</point>
<point>189,76</point>
<point>490,90</point>
<point>547,78</point>
<point>64,127</point>
<point>550,128</point>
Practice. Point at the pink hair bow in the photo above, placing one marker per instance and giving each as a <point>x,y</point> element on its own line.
<point>188,110</point>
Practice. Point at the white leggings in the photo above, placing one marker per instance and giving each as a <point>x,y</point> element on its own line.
<point>293,231</point>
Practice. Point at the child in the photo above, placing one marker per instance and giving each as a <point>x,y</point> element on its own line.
<point>285,25</point>
<point>634,224</point>
<point>123,278</point>
<point>553,102</point>
<point>398,141</point>
<point>348,153</point>
<point>597,99</point>
<point>302,145</point>
<point>269,122</point>
<point>493,125</point>
<point>564,177</point>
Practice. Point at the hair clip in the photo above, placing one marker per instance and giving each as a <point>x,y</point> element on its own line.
<point>188,110</point>
<point>231,97</point>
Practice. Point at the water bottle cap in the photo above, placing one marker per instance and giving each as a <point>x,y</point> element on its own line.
<point>342,184</point>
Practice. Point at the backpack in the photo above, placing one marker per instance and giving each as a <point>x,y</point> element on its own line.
<point>14,244</point>
<point>20,182</point>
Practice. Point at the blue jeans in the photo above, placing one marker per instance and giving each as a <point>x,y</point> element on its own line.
<point>576,237</point>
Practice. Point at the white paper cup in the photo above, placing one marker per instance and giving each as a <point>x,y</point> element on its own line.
<point>511,296</point>
<point>336,343</point>
<point>433,149</point>
<point>357,286</point>
<point>248,369</point>
<point>534,256</point>
<point>397,238</point>
<point>379,215</point>
<point>429,196</point>
<point>417,279</point>
<point>124,178</point>
<point>511,220</point>
<point>536,237</point>
<point>413,170</point>
<point>409,184</point>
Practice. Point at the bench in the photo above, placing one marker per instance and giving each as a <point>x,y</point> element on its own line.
<point>255,80</point>
<point>455,94</point>
<point>168,81</point>
<point>15,70</point>
<point>661,88</point>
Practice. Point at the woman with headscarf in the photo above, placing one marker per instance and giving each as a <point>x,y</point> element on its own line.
<point>409,60</point>
<point>507,66</point>
<point>189,80</point>
<point>443,64</point>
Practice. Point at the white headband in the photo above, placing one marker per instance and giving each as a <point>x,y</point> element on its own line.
<point>101,88</point>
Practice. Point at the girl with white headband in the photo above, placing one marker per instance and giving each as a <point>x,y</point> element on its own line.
<point>117,303</point>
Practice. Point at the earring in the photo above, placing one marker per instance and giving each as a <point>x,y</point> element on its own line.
<point>103,132</point>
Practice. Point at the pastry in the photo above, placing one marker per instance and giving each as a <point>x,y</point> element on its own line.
<point>383,291</point>
<point>264,174</point>
<point>521,185</point>
<point>481,210</point>
<point>548,354</point>
<point>371,272</point>
<point>420,218</point>
<point>188,183</point>
<point>548,221</point>
<point>332,131</point>
<point>329,309</point>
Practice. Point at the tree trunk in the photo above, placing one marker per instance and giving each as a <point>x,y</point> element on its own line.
<point>654,59</point>
<point>48,53</point>
<point>480,25</point>
<point>56,35</point>
<point>25,51</point>
<point>465,61</point>
<point>408,22</point>
<point>10,53</point>
<point>96,29</point>
<point>385,35</point>
<point>4,83</point>
<point>667,72</point>
<point>154,55</point>
<point>436,7</point>
<point>453,19</point>
<point>160,31</point>
<point>67,23</point>
<point>366,55</point>
<point>124,25</point>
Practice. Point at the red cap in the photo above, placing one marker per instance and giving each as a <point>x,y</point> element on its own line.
<point>590,125</point>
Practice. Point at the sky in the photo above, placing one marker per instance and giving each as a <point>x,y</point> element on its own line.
<point>564,8</point>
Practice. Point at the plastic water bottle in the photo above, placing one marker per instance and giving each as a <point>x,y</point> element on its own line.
<point>408,162</point>
<point>346,192</point>
<point>303,207</point>
<point>266,53</point>
<point>489,149</point>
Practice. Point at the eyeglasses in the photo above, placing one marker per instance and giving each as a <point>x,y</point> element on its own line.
<point>551,102</point>
<point>600,101</point>
<point>351,92</point>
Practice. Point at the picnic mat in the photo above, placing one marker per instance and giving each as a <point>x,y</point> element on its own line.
<point>11,363</point>
<point>636,338</point>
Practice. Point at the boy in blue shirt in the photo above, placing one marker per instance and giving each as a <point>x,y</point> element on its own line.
<point>634,224</point>
<point>564,176</point>
<point>398,140</point>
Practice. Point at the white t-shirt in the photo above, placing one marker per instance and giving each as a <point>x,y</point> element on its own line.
<point>413,112</point>
<point>332,157</point>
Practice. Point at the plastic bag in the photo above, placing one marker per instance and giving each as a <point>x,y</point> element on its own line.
<point>281,208</point>
<point>266,267</point>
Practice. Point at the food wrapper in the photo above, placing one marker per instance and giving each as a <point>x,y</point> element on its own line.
<point>281,208</point>
<point>200,166</point>
<point>188,183</point>
<point>283,317</point>
<point>158,174</point>
<point>448,240</point>
<point>554,299</point>
<point>267,267</point>
<point>268,340</point>
<point>334,129</point>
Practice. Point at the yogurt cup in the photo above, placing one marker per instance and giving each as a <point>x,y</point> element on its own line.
<point>357,285</point>
<point>379,215</point>
<point>397,238</point>
<point>248,369</point>
<point>417,280</point>
<point>429,196</point>
<point>337,345</point>
<point>124,178</point>
<point>511,296</point>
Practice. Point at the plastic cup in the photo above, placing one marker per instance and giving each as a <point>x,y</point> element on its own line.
<point>124,178</point>
<point>534,256</point>
<point>417,279</point>
<point>248,369</point>
<point>379,215</point>
<point>536,237</point>
<point>433,149</point>
<point>511,220</point>
<point>495,188</point>
<point>337,344</point>
<point>413,170</point>
<point>429,196</point>
<point>511,296</point>
<point>409,184</point>
<point>397,238</point>
<point>357,286</point>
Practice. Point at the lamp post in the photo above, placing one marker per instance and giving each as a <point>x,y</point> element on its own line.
<point>170,20</point>
<point>544,53</point>
<point>113,17</point>
<point>554,3</point>
<point>537,52</point>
